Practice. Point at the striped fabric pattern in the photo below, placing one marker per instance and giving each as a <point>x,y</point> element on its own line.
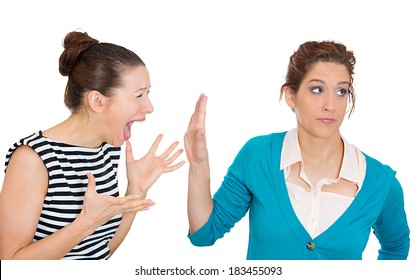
<point>67,166</point>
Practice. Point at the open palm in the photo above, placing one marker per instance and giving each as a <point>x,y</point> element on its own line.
<point>195,136</point>
<point>142,173</point>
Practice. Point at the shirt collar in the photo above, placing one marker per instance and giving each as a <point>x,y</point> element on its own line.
<point>353,164</point>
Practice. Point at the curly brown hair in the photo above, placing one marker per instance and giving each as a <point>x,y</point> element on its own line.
<point>312,52</point>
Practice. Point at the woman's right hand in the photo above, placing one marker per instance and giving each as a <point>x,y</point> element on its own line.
<point>195,136</point>
<point>199,200</point>
<point>99,209</point>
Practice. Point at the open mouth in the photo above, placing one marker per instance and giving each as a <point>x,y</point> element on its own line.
<point>127,130</point>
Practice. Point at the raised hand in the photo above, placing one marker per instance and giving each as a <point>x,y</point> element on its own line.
<point>199,200</point>
<point>98,208</point>
<point>142,173</point>
<point>195,136</point>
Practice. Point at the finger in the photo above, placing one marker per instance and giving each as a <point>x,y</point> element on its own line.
<point>174,167</point>
<point>91,187</point>
<point>171,159</point>
<point>138,209</point>
<point>132,209</point>
<point>142,207</point>
<point>191,120</point>
<point>128,152</point>
<point>131,200</point>
<point>156,144</point>
<point>195,115</point>
<point>197,105</point>
<point>169,150</point>
<point>201,116</point>
<point>197,108</point>
<point>135,204</point>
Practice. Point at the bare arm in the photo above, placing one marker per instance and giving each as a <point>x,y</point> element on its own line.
<point>141,175</point>
<point>199,203</point>
<point>21,200</point>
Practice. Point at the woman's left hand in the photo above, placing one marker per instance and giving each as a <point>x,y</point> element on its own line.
<point>142,173</point>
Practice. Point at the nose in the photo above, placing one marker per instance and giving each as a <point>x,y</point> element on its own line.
<point>329,103</point>
<point>148,106</point>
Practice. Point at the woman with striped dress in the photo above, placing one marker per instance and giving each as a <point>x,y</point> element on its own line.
<point>60,197</point>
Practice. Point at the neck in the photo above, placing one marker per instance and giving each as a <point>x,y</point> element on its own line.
<point>320,151</point>
<point>78,130</point>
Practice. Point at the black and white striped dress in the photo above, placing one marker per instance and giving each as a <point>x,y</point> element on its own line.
<point>67,166</point>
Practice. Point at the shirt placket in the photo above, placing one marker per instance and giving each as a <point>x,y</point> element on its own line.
<point>315,200</point>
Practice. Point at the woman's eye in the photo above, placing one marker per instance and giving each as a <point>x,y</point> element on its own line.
<point>342,92</point>
<point>316,90</point>
<point>141,95</point>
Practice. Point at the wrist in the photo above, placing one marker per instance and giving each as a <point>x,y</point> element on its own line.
<point>199,167</point>
<point>135,190</point>
<point>84,225</point>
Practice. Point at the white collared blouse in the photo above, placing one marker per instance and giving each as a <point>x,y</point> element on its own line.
<point>317,210</point>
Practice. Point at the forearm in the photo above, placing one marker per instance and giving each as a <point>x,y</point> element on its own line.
<point>56,245</point>
<point>122,231</point>
<point>199,203</point>
<point>127,220</point>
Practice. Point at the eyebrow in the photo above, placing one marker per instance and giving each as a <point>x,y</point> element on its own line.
<point>144,88</point>
<point>323,82</point>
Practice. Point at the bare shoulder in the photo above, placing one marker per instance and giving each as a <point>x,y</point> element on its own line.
<point>27,159</point>
<point>26,167</point>
<point>24,188</point>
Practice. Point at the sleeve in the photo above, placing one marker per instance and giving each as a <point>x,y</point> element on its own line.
<point>230,202</point>
<point>391,227</point>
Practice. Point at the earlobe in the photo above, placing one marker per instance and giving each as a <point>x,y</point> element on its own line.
<point>96,101</point>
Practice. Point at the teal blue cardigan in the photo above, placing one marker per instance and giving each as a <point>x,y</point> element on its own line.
<point>255,182</point>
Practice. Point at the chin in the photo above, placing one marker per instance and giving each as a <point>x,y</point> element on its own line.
<point>117,142</point>
<point>328,134</point>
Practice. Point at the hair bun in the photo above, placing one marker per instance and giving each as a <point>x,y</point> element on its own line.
<point>75,43</point>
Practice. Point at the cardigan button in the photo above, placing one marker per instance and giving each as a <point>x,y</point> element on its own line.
<point>310,246</point>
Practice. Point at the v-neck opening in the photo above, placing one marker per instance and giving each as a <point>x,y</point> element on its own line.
<point>287,209</point>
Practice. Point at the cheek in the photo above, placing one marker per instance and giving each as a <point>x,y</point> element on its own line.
<point>115,121</point>
<point>301,114</point>
<point>343,105</point>
<point>121,113</point>
<point>306,108</point>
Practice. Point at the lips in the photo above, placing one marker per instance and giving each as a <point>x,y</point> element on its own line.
<point>327,120</point>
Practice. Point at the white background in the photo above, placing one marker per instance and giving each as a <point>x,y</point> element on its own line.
<point>237,53</point>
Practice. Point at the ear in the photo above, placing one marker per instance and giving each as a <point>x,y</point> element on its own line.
<point>289,97</point>
<point>96,101</point>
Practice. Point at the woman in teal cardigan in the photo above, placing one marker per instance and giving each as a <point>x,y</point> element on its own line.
<point>310,194</point>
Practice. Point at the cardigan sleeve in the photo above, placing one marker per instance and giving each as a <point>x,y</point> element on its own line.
<point>230,202</point>
<point>391,227</point>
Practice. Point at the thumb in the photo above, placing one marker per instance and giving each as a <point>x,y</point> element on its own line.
<point>128,152</point>
<point>91,182</point>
